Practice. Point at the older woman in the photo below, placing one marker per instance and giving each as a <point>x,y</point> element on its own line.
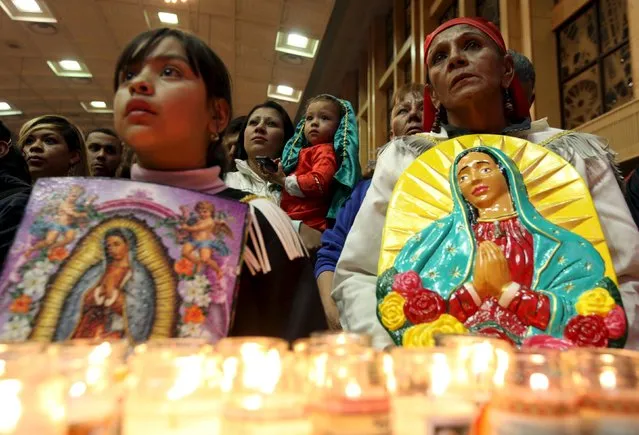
<point>406,120</point>
<point>472,88</point>
<point>53,146</point>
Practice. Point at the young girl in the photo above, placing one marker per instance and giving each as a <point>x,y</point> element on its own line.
<point>173,98</point>
<point>324,148</point>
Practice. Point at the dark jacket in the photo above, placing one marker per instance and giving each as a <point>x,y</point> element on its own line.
<point>283,303</point>
<point>14,195</point>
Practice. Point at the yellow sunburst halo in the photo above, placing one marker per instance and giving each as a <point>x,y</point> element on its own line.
<point>422,194</point>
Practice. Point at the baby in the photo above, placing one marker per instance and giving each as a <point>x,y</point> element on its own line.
<point>324,149</point>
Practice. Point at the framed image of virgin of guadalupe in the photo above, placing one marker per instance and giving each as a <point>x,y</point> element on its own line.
<point>111,259</point>
<point>496,236</point>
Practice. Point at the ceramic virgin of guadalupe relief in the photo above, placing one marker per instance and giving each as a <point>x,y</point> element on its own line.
<point>111,259</point>
<point>496,236</point>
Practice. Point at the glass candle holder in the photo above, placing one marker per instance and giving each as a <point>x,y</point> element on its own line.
<point>173,390</point>
<point>426,392</point>
<point>350,391</point>
<point>342,338</point>
<point>93,372</point>
<point>264,393</point>
<point>536,397</point>
<point>32,395</point>
<point>481,363</point>
<point>608,388</point>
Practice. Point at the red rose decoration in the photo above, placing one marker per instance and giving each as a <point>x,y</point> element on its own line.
<point>407,282</point>
<point>616,323</point>
<point>424,306</point>
<point>587,331</point>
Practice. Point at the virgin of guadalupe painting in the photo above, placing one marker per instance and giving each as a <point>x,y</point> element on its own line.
<point>499,237</point>
<point>112,259</point>
<point>112,296</point>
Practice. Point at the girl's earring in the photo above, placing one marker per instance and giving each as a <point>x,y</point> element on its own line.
<point>214,137</point>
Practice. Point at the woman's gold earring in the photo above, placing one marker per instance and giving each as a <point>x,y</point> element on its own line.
<point>214,137</point>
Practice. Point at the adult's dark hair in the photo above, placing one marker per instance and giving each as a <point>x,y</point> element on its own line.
<point>106,131</point>
<point>289,129</point>
<point>13,162</point>
<point>235,126</point>
<point>202,60</point>
<point>5,133</point>
<point>524,68</point>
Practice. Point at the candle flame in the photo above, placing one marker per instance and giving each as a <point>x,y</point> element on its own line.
<point>188,379</point>
<point>77,389</point>
<point>10,405</point>
<point>441,375</point>
<point>608,379</point>
<point>539,382</point>
<point>100,354</point>
<point>353,390</point>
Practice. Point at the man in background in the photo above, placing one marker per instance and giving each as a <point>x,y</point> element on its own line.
<point>104,152</point>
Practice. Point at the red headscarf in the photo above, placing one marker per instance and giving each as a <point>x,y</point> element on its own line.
<point>520,102</point>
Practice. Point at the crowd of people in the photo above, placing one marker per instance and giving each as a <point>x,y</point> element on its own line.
<point>174,125</point>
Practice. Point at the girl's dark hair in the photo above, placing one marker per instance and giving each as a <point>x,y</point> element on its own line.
<point>70,132</point>
<point>202,60</point>
<point>472,211</point>
<point>289,129</point>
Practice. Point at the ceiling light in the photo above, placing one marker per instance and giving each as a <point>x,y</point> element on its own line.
<point>30,6</point>
<point>95,106</point>
<point>168,18</point>
<point>70,65</point>
<point>69,68</point>
<point>296,40</point>
<point>297,44</point>
<point>285,93</point>
<point>174,1</point>
<point>284,90</point>
<point>7,109</point>
<point>28,10</point>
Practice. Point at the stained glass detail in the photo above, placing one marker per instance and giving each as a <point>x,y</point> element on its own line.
<point>582,98</point>
<point>617,78</point>
<point>614,23</point>
<point>488,9</point>
<point>578,43</point>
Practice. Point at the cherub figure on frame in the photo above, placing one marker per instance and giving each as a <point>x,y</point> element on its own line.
<point>206,235</point>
